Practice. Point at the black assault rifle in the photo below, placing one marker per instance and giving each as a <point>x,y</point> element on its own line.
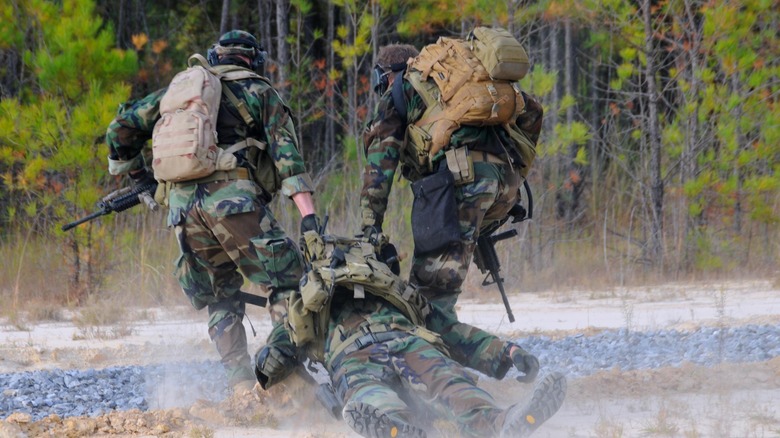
<point>128,197</point>
<point>485,256</point>
<point>121,200</point>
<point>486,259</point>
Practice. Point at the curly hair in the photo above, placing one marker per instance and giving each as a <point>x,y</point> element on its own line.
<point>395,54</point>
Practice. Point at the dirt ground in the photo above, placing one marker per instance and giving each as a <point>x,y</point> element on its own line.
<point>729,400</point>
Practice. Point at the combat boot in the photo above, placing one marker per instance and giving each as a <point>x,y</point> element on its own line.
<point>370,422</point>
<point>522,419</point>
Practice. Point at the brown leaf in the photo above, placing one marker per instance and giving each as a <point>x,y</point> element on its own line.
<point>140,40</point>
<point>158,46</point>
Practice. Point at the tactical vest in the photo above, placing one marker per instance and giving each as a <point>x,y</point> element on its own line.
<point>344,266</point>
<point>452,79</point>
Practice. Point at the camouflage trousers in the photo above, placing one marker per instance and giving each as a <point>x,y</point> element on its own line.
<point>440,275</point>
<point>222,235</point>
<point>406,376</point>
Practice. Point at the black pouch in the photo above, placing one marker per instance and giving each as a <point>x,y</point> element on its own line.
<point>434,212</point>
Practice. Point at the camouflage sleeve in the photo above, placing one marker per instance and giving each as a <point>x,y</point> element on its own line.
<point>128,132</point>
<point>265,104</point>
<point>382,142</point>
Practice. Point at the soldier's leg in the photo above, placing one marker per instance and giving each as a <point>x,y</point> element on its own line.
<point>441,275</point>
<point>210,280</point>
<point>229,335</point>
<point>258,245</point>
<point>367,384</point>
<point>264,253</point>
<point>437,378</point>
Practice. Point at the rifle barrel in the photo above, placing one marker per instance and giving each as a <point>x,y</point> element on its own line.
<point>67,227</point>
<point>500,283</point>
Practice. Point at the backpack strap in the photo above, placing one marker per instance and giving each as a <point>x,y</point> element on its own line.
<point>399,100</point>
<point>240,105</point>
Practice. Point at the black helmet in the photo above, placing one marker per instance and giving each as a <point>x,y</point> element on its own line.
<point>237,42</point>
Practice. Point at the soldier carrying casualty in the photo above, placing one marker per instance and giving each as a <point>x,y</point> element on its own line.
<point>464,134</point>
<point>223,143</point>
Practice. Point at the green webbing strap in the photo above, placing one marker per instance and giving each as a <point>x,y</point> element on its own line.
<point>240,105</point>
<point>374,332</point>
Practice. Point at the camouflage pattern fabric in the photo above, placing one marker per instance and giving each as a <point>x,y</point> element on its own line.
<point>480,203</point>
<point>223,228</point>
<point>386,375</point>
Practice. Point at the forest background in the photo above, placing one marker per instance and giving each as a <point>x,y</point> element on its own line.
<point>659,159</point>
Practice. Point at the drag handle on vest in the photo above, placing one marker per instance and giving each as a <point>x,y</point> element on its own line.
<point>486,259</point>
<point>121,200</point>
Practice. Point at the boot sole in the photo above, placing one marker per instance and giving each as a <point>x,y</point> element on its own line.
<point>548,397</point>
<point>369,422</point>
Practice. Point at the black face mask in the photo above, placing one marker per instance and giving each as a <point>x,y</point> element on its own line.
<point>380,76</point>
<point>379,80</point>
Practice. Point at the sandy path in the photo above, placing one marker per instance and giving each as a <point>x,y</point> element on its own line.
<point>726,401</point>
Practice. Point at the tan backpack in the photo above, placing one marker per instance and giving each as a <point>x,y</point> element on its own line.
<point>184,140</point>
<point>473,84</point>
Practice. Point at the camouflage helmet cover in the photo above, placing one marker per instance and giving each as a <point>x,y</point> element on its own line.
<point>235,43</point>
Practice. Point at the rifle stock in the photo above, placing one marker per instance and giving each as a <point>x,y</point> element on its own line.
<point>486,259</point>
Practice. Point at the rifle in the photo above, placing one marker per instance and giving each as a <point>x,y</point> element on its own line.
<point>485,256</point>
<point>121,200</point>
<point>486,259</point>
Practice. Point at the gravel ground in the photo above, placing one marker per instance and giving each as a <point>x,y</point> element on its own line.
<point>92,392</point>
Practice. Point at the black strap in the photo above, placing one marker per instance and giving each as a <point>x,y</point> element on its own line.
<point>530,199</point>
<point>248,298</point>
<point>399,100</point>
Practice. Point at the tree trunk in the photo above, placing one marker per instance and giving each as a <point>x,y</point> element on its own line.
<point>282,48</point>
<point>264,23</point>
<point>120,28</point>
<point>595,124</point>
<point>330,120</point>
<point>654,144</point>
<point>223,22</point>
<point>574,177</point>
<point>691,68</point>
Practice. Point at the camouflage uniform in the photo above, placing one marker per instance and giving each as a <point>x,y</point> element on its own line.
<point>480,204</point>
<point>224,228</point>
<point>390,373</point>
<point>395,371</point>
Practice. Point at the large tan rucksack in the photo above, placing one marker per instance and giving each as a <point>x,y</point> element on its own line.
<point>184,141</point>
<point>473,83</point>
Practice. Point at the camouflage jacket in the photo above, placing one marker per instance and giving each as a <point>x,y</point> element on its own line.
<point>383,139</point>
<point>129,131</point>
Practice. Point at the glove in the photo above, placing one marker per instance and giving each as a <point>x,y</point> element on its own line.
<point>371,230</point>
<point>311,222</point>
<point>388,255</point>
<point>142,177</point>
<point>525,362</point>
<point>518,213</point>
<point>273,364</point>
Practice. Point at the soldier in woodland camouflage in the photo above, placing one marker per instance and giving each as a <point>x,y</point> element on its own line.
<point>389,373</point>
<point>222,223</point>
<point>396,376</point>
<point>480,204</point>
